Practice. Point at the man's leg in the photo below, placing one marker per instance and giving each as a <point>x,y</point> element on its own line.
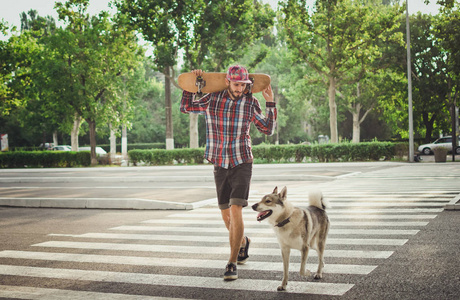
<point>226,217</point>
<point>236,231</point>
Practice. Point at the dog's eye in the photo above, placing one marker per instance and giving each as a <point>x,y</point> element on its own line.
<point>268,201</point>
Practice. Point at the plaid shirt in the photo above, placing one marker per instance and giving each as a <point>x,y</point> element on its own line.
<point>228,143</point>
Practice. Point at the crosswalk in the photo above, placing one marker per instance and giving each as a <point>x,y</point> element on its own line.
<point>183,255</point>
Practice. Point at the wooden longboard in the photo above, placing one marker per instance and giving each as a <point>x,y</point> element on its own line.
<point>215,82</point>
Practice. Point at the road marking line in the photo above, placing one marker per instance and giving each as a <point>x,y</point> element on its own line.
<point>180,262</point>
<point>332,216</point>
<point>252,223</point>
<point>36,293</point>
<point>332,210</point>
<point>206,250</point>
<point>331,289</point>
<point>267,230</point>
<point>224,239</point>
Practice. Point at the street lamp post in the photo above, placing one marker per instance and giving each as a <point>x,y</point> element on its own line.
<point>409,87</point>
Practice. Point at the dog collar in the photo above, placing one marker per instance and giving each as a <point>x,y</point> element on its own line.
<point>282,223</point>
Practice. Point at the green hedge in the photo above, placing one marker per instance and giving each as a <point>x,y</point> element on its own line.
<point>166,157</point>
<point>343,152</point>
<point>46,159</point>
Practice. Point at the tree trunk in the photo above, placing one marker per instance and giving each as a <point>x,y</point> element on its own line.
<point>429,125</point>
<point>74,133</point>
<point>333,110</point>
<point>453,117</point>
<point>92,139</point>
<point>124,143</point>
<point>113,144</point>
<point>168,110</point>
<point>356,123</point>
<point>55,139</point>
<point>194,131</point>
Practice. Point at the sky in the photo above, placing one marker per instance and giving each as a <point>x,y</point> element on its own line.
<point>10,9</point>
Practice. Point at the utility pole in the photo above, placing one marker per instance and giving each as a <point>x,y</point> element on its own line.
<point>409,87</point>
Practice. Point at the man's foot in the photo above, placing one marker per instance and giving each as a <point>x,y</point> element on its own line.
<point>243,254</point>
<point>230,272</point>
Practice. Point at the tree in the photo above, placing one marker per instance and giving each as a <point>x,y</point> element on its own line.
<point>336,40</point>
<point>215,38</point>
<point>448,35</point>
<point>91,56</point>
<point>210,33</point>
<point>163,23</point>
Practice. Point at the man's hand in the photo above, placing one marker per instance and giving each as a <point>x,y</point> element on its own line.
<point>197,72</point>
<point>268,94</point>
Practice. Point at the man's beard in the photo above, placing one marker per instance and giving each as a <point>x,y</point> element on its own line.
<point>235,96</point>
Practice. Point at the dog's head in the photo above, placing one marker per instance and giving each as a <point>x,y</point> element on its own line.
<point>271,205</point>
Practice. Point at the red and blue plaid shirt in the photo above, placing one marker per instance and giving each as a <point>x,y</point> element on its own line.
<point>228,121</point>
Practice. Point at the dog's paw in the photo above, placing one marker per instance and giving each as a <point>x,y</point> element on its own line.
<point>281,288</point>
<point>318,276</point>
<point>305,273</point>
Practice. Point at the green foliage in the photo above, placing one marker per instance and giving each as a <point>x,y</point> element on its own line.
<point>165,157</point>
<point>343,152</point>
<point>337,40</point>
<point>44,159</point>
<point>91,65</point>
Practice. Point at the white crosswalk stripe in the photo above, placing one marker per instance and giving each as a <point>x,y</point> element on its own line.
<point>223,239</point>
<point>34,293</point>
<point>367,226</point>
<point>203,250</point>
<point>177,262</point>
<point>265,230</point>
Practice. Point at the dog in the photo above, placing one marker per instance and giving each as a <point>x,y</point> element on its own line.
<point>296,228</point>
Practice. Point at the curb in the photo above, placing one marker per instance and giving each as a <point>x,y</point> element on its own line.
<point>103,203</point>
<point>454,204</point>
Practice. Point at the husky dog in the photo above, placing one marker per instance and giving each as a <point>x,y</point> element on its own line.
<point>296,228</point>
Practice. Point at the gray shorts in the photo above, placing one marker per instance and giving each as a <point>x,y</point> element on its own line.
<point>232,185</point>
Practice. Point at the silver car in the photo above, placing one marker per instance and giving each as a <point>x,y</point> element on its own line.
<point>445,142</point>
<point>62,148</point>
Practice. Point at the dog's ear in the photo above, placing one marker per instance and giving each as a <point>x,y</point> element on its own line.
<point>275,191</point>
<point>283,193</point>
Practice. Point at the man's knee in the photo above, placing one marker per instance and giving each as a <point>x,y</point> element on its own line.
<point>238,202</point>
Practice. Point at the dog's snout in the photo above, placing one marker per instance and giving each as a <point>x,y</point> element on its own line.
<point>254,207</point>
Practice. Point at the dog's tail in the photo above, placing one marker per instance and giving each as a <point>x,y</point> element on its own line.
<point>316,199</point>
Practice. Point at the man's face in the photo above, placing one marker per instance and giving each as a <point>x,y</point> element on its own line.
<point>236,89</point>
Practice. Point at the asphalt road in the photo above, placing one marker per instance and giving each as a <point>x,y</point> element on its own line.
<point>390,238</point>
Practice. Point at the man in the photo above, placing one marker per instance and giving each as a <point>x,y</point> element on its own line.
<point>229,114</point>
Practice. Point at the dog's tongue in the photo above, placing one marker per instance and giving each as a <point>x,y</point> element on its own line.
<point>261,214</point>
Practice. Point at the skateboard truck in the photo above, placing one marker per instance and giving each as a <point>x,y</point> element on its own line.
<point>200,83</point>
<point>250,86</point>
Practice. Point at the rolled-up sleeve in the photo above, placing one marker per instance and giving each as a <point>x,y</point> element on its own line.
<point>265,123</point>
<point>189,104</point>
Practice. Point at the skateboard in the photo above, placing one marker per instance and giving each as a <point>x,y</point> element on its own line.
<point>215,82</point>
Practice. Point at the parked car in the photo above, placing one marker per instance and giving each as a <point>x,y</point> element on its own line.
<point>445,142</point>
<point>99,150</point>
<point>47,146</point>
<point>62,148</point>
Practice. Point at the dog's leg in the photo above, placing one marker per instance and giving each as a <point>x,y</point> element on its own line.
<point>303,262</point>
<point>320,250</point>
<point>286,253</point>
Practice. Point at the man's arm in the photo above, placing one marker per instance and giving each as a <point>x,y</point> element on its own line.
<point>188,103</point>
<point>266,124</point>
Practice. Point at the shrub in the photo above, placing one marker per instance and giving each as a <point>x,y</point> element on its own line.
<point>44,159</point>
<point>343,152</point>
